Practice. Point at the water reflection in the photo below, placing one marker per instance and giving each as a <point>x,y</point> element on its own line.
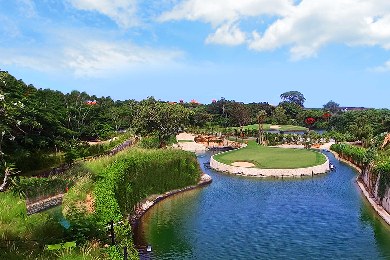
<point>246,218</point>
<point>381,230</point>
<point>169,220</point>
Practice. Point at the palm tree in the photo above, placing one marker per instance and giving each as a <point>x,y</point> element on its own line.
<point>261,116</point>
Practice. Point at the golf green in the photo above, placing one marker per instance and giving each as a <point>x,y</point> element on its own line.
<point>272,157</point>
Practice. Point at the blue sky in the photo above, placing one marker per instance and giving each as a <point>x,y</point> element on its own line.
<point>247,50</point>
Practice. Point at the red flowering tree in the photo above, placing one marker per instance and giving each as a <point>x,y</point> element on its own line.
<point>310,122</point>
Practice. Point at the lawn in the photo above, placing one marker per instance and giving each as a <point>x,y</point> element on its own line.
<point>267,127</point>
<point>272,157</point>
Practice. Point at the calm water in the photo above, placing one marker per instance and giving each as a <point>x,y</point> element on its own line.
<point>244,218</point>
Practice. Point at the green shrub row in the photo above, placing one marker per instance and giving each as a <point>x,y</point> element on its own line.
<point>355,154</point>
<point>143,173</point>
<point>363,157</point>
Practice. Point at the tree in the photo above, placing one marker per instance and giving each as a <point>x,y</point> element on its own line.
<point>332,107</point>
<point>160,118</point>
<point>238,114</point>
<point>280,115</point>
<point>293,97</point>
<point>362,129</point>
<point>261,116</point>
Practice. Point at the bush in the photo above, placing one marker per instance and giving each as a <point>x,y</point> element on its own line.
<point>144,172</point>
<point>355,154</point>
<point>149,143</point>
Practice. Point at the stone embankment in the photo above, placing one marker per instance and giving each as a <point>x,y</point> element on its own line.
<point>270,173</point>
<point>369,188</point>
<point>146,205</point>
<point>44,204</point>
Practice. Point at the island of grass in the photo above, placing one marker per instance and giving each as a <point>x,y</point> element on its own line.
<point>264,157</point>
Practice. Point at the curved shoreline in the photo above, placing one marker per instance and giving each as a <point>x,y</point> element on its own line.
<point>270,173</point>
<point>378,208</point>
<point>146,205</point>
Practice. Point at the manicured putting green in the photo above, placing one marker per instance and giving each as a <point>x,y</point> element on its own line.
<point>272,157</point>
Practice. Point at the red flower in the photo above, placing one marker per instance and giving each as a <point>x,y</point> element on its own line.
<point>326,116</point>
<point>66,189</point>
<point>242,134</point>
<point>310,120</point>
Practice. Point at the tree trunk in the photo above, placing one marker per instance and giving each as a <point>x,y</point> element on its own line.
<point>5,184</point>
<point>260,132</point>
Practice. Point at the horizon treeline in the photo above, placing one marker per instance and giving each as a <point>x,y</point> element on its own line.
<point>47,121</point>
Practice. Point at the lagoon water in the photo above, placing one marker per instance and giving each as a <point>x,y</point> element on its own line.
<point>246,218</point>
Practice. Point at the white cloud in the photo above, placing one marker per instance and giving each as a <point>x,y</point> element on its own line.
<point>385,67</point>
<point>220,11</point>
<point>27,8</point>
<point>87,55</point>
<point>304,28</point>
<point>95,57</point>
<point>227,34</point>
<point>8,28</point>
<point>123,12</point>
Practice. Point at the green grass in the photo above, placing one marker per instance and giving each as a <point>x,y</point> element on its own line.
<point>25,237</point>
<point>267,127</point>
<point>272,157</point>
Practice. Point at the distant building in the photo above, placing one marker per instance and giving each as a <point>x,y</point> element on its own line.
<point>344,108</point>
<point>353,108</point>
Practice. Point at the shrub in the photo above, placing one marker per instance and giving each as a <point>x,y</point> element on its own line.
<point>144,172</point>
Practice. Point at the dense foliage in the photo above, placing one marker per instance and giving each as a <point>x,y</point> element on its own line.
<point>357,155</point>
<point>142,173</point>
<point>40,187</point>
<point>379,165</point>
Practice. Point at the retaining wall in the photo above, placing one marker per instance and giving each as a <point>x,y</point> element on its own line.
<point>276,173</point>
<point>369,187</point>
<point>366,178</point>
<point>44,204</point>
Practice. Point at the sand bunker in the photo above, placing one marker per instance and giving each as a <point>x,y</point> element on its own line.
<point>243,164</point>
<point>275,126</point>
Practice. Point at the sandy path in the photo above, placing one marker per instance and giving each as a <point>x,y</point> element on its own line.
<point>185,136</point>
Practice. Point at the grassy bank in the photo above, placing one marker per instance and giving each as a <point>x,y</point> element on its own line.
<point>26,237</point>
<point>103,190</point>
<point>272,157</point>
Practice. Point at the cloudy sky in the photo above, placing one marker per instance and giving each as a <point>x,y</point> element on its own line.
<point>246,50</point>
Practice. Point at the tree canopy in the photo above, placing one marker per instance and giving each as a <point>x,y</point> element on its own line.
<point>332,107</point>
<point>293,97</point>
